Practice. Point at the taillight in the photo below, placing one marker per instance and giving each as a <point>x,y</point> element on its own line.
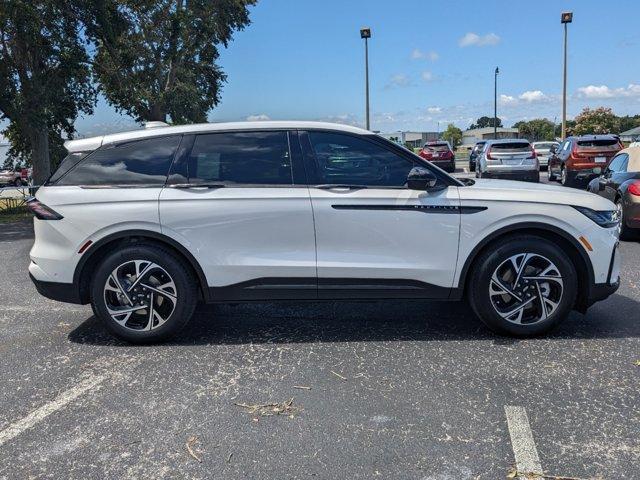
<point>634,188</point>
<point>41,211</point>
<point>532,154</point>
<point>489,156</point>
<point>575,153</point>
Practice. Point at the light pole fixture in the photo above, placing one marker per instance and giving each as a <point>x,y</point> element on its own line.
<point>366,34</point>
<point>565,18</point>
<point>495,103</point>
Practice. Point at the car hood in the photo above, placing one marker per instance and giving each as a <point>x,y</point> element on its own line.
<point>513,191</point>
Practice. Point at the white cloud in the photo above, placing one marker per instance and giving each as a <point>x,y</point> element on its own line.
<point>418,54</point>
<point>427,76</point>
<point>258,118</point>
<point>471,39</point>
<point>434,109</point>
<point>533,96</point>
<point>398,80</point>
<point>507,100</point>
<point>603,91</point>
<point>345,118</point>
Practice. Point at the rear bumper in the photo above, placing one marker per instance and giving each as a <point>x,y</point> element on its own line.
<point>61,292</point>
<point>445,164</point>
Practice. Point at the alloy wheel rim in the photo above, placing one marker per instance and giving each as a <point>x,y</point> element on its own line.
<point>526,289</point>
<point>140,295</point>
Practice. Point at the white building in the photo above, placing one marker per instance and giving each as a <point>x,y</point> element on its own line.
<point>471,137</point>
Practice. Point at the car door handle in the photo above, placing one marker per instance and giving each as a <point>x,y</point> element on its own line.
<point>197,185</point>
<point>339,186</point>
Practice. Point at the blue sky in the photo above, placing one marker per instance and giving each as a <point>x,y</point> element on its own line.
<point>430,62</point>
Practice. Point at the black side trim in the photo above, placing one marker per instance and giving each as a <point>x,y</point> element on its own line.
<point>61,292</point>
<point>613,256</point>
<point>140,234</point>
<point>378,288</point>
<point>303,288</point>
<point>415,208</point>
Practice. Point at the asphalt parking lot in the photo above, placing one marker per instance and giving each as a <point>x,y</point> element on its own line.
<point>403,389</point>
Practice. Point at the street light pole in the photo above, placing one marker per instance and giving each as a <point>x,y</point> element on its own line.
<point>565,18</point>
<point>495,104</point>
<point>366,34</point>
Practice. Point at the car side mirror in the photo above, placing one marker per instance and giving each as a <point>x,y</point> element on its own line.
<point>420,178</point>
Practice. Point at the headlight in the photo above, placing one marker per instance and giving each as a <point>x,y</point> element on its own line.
<point>604,218</point>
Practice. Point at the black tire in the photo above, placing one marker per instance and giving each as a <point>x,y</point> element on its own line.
<point>472,167</point>
<point>17,182</point>
<point>565,179</point>
<point>494,256</point>
<point>186,292</point>
<point>550,175</point>
<point>624,231</point>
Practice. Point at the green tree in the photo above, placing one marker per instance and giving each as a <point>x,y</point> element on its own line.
<point>484,122</point>
<point>536,129</point>
<point>453,135</point>
<point>44,78</point>
<point>597,121</point>
<point>628,122</point>
<point>157,58</point>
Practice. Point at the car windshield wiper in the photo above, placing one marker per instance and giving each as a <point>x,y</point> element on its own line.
<point>329,186</point>
<point>197,185</point>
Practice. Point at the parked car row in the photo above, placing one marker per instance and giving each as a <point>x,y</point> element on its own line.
<point>16,178</point>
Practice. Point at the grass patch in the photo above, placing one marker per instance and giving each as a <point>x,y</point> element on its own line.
<point>13,210</point>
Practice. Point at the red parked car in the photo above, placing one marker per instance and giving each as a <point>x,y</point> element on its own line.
<point>578,160</point>
<point>440,154</point>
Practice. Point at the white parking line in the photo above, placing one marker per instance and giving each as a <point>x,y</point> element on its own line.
<point>90,381</point>
<point>524,448</point>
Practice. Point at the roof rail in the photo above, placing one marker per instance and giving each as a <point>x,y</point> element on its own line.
<point>155,124</point>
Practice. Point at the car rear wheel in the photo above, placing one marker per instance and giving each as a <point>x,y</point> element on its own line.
<point>143,294</point>
<point>565,180</point>
<point>550,174</point>
<point>524,286</point>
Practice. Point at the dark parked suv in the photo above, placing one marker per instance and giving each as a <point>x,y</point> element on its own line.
<point>578,160</point>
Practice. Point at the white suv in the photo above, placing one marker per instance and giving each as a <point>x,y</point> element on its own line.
<point>145,224</point>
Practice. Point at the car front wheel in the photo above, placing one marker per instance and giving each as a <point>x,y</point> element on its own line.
<point>143,293</point>
<point>522,286</point>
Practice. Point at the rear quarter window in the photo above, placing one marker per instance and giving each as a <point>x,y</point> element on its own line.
<point>140,162</point>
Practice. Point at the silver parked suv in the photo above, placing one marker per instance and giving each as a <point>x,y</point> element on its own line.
<point>513,159</point>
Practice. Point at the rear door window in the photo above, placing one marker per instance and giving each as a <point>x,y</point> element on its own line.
<point>241,158</point>
<point>141,162</point>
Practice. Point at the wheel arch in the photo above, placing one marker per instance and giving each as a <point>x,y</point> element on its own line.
<point>99,249</point>
<point>569,245</point>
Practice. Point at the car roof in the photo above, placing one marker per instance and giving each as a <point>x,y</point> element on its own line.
<point>544,141</point>
<point>634,158</point>
<point>595,137</point>
<point>507,140</point>
<point>90,144</point>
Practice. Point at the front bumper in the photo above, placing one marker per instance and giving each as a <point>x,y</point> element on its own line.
<point>601,291</point>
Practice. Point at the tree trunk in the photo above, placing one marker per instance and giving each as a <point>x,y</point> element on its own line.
<point>40,155</point>
<point>157,113</point>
